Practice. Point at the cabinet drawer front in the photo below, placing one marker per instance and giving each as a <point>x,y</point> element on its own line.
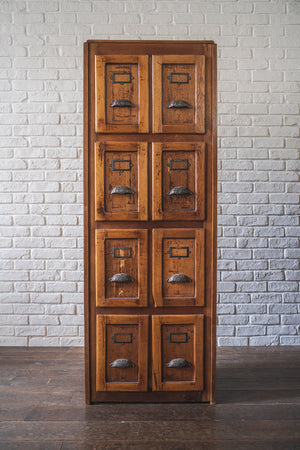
<point>121,268</point>
<point>178,267</point>
<point>178,181</point>
<point>122,94</point>
<point>177,353</point>
<point>122,353</point>
<point>179,94</point>
<point>121,184</point>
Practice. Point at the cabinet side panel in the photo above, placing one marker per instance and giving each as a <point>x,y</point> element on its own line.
<point>214,221</point>
<point>86,222</point>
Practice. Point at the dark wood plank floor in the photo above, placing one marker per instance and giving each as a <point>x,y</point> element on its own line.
<point>42,405</point>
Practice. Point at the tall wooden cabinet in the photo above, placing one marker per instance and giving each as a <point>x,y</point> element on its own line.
<point>150,164</point>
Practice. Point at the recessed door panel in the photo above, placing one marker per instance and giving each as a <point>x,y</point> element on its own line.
<point>178,267</point>
<point>122,353</point>
<point>122,94</point>
<point>178,181</point>
<point>121,268</point>
<point>121,191</point>
<point>177,352</point>
<point>179,94</point>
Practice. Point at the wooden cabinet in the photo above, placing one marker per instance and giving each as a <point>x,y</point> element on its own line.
<point>150,164</point>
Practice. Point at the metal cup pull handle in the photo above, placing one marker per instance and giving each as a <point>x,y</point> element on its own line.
<point>179,278</point>
<point>121,278</point>
<point>121,190</point>
<point>179,104</point>
<point>180,190</point>
<point>178,363</point>
<point>122,102</point>
<point>122,363</point>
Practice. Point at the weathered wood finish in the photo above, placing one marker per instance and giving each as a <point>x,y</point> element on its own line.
<point>121,252</point>
<point>178,165</point>
<point>42,405</point>
<point>112,332</point>
<point>178,251</point>
<point>121,164</point>
<point>122,119</point>
<point>176,337</point>
<point>192,71</point>
<point>149,136</point>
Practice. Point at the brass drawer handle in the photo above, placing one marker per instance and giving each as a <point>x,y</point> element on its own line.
<point>122,102</point>
<point>180,190</point>
<point>179,278</point>
<point>122,363</point>
<point>121,190</point>
<point>178,363</point>
<point>121,278</point>
<point>179,104</point>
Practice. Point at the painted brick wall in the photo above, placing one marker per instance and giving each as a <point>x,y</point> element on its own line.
<point>41,159</point>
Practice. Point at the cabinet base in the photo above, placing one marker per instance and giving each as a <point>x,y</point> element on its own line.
<point>149,397</point>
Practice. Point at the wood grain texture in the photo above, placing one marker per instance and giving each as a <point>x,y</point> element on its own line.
<point>178,242</point>
<point>133,243</point>
<point>172,120</point>
<point>122,120</point>
<point>42,405</point>
<point>177,379</point>
<point>167,159</point>
<point>117,379</point>
<point>203,145</point>
<point>110,172</point>
<point>214,221</point>
<point>86,200</point>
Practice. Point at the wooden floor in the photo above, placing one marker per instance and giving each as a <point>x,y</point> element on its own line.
<point>42,405</point>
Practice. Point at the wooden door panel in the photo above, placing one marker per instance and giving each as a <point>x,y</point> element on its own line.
<point>121,186</point>
<point>179,94</point>
<point>178,267</point>
<point>121,84</point>
<point>178,187</point>
<point>122,353</point>
<point>121,268</point>
<point>122,93</point>
<point>177,352</point>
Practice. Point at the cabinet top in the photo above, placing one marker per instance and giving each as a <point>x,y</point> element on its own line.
<point>160,47</point>
<point>141,42</point>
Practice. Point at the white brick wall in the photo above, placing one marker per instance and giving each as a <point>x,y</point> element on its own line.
<point>41,159</point>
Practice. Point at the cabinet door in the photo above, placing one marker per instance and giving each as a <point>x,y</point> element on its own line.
<point>121,353</point>
<point>179,94</point>
<point>121,267</point>
<point>121,181</point>
<point>177,353</point>
<point>178,267</point>
<point>178,181</point>
<point>122,89</point>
